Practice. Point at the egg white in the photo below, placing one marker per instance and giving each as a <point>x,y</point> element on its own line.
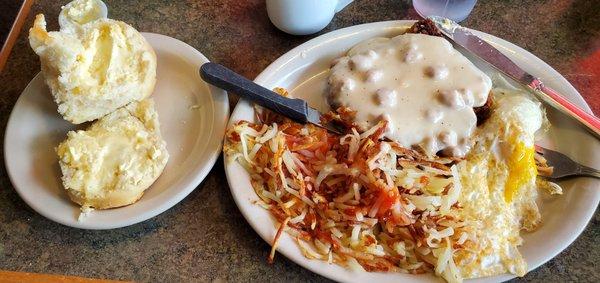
<point>498,147</point>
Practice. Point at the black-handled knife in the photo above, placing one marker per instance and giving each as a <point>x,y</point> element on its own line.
<point>293,108</point>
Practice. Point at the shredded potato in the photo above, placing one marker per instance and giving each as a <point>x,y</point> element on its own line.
<point>354,200</point>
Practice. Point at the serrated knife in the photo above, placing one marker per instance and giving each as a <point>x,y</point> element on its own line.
<point>293,108</point>
<point>479,47</point>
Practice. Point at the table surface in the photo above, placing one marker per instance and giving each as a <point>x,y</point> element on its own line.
<point>205,237</point>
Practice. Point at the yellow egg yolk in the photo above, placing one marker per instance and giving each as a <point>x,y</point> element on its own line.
<point>521,168</point>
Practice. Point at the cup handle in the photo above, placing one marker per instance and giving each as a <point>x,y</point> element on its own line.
<point>342,4</point>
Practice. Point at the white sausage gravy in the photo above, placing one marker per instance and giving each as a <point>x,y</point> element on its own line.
<point>419,83</point>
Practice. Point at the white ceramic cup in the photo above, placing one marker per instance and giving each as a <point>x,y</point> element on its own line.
<point>301,17</point>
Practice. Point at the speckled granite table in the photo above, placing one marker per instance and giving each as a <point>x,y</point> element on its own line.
<point>205,238</point>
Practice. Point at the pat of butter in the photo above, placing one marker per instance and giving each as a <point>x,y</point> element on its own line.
<point>79,12</point>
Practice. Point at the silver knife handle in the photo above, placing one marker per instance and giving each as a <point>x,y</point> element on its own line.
<point>226,79</point>
<point>591,122</point>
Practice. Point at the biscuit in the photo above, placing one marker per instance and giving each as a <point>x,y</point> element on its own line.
<point>93,68</point>
<point>116,159</point>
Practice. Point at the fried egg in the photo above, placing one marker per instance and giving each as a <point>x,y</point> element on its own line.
<point>499,187</point>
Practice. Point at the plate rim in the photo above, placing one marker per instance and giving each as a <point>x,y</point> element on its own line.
<point>220,104</point>
<point>284,59</point>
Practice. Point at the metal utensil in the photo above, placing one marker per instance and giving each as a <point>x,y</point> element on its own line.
<point>472,43</point>
<point>293,108</point>
<point>563,166</point>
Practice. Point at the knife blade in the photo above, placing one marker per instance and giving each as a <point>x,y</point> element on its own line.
<point>293,108</point>
<point>479,47</point>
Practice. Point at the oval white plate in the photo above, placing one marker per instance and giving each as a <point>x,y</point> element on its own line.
<point>303,72</point>
<point>192,119</point>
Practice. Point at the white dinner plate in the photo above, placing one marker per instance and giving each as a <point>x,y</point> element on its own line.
<point>192,119</point>
<point>303,71</point>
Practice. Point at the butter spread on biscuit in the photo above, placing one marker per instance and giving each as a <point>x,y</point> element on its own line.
<point>112,162</point>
